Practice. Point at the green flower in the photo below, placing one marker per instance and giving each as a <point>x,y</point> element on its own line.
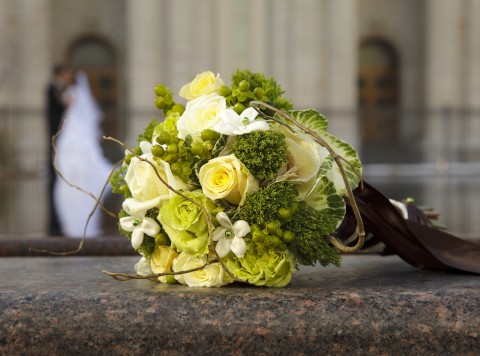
<point>186,224</point>
<point>270,267</point>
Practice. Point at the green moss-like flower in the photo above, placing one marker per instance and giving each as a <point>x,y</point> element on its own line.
<point>147,134</point>
<point>262,206</point>
<point>186,224</point>
<point>311,228</point>
<point>263,152</point>
<point>270,267</point>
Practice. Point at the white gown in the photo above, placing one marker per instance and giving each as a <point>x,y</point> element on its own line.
<point>81,161</point>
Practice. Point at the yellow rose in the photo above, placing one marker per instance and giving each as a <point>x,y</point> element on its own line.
<point>146,188</point>
<point>200,114</point>
<point>226,177</point>
<point>162,261</point>
<point>203,84</point>
<point>212,275</point>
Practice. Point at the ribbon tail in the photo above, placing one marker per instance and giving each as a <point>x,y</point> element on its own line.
<point>413,240</point>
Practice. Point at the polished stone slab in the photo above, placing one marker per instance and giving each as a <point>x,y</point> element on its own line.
<point>373,304</point>
<point>98,246</point>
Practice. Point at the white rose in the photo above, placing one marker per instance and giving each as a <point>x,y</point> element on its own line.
<point>200,114</point>
<point>212,275</point>
<point>146,188</point>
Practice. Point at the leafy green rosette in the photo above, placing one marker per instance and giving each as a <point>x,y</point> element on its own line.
<point>186,224</point>
<point>262,265</point>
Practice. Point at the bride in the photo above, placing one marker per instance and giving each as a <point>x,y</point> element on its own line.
<point>81,161</point>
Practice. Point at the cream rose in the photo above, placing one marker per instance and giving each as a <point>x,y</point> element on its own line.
<point>203,84</point>
<point>226,177</point>
<point>162,261</point>
<point>212,275</point>
<point>200,114</point>
<point>146,188</point>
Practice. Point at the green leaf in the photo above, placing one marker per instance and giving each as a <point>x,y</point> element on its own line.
<point>353,168</point>
<point>316,122</point>
<point>311,119</point>
<point>324,196</point>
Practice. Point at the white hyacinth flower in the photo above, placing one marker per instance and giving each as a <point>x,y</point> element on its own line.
<point>230,236</point>
<point>233,124</point>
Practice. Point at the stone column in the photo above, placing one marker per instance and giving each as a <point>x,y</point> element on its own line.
<point>471,78</point>
<point>443,69</point>
<point>144,62</point>
<point>307,55</point>
<point>340,68</point>
<point>32,67</point>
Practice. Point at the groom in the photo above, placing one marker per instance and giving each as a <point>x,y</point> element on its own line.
<point>56,107</point>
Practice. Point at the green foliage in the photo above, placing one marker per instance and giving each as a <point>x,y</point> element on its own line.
<point>311,228</point>
<point>247,86</point>
<point>261,207</point>
<point>117,181</point>
<point>262,152</point>
<point>147,134</point>
<point>353,168</point>
<point>147,246</point>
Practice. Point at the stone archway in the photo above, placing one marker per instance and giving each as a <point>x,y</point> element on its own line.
<point>378,95</point>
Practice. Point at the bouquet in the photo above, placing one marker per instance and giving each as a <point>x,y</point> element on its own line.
<point>235,186</point>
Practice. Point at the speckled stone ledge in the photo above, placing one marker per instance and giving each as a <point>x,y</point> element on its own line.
<point>99,246</point>
<point>375,305</point>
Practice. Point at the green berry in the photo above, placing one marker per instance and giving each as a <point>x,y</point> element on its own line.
<point>288,236</point>
<point>176,168</point>
<point>258,236</point>
<point>275,241</point>
<point>178,108</point>
<point>258,92</point>
<point>163,137</point>
<point>160,90</point>
<point>208,135</point>
<point>239,108</point>
<point>225,91</point>
<point>244,85</point>
<point>272,226</point>
<point>158,150</point>
<point>128,159</point>
<point>197,148</point>
<point>172,148</point>
<point>284,214</point>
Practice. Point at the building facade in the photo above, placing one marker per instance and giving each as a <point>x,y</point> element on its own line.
<point>389,74</point>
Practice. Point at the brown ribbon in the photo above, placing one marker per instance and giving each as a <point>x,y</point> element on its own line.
<point>414,240</point>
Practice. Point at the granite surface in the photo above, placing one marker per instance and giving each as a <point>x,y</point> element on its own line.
<point>98,246</point>
<point>375,305</point>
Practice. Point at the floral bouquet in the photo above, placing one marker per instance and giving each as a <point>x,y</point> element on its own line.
<point>235,186</point>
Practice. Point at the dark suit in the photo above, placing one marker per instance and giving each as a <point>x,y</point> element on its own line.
<point>55,111</point>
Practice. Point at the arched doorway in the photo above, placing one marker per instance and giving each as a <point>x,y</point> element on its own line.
<point>97,59</point>
<point>378,90</point>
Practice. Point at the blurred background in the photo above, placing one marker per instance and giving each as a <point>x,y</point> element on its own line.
<point>400,80</point>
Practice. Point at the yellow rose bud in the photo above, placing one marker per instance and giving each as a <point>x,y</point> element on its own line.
<point>226,177</point>
<point>162,261</point>
<point>203,84</point>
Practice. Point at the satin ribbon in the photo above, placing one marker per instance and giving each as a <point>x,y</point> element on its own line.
<point>415,240</point>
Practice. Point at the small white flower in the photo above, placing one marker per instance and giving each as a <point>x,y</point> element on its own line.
<point>233,124</point>
<point>230,236</point>
<point>139,225</point>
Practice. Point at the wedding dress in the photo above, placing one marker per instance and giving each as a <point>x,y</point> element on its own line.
<point>81,161</point>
